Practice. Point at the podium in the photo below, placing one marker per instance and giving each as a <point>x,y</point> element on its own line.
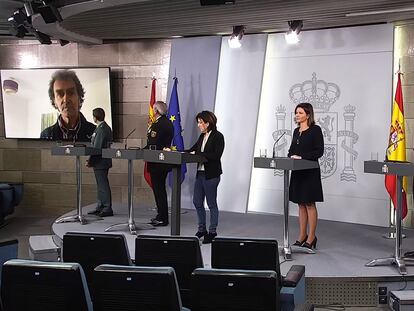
<point>287,165</point>
<point>130,155</point>
<point>175,159</point>
<point>400,169</point>
<point>76,151</point>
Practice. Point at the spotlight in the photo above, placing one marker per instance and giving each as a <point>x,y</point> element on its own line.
<point>49,13</point>
<point>18,18</point>
<point>63,42</point>
<point>237,35</point>
<point>19,31</point>
<point>42,37</point>
<point>295,27</point>
<point>10,86</point>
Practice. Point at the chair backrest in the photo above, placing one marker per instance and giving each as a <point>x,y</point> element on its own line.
<point>180,252</point>
<point>34,285</point>
<point>6,200</point>
<point>18,191</point>
<point>234,290</point>
<point>135,288</point>
<point>93,249</point>
<point>8,250</point>
<point>245,254</point>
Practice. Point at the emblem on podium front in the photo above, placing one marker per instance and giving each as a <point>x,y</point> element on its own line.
<point>118,154</point>
<point>67,150</point>
<point>161,156</point>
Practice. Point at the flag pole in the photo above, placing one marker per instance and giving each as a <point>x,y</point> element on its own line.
<point>393,212</point>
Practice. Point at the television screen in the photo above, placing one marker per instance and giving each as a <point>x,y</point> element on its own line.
<point>54,104</point>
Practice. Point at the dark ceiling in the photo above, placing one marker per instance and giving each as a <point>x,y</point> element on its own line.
<point>97,21</point>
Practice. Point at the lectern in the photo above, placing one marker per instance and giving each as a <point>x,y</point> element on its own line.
<point>76,151</point>
<point>175,159</point>
<point>130,155</point>
<point>400,169</point>
<point>287,165</point>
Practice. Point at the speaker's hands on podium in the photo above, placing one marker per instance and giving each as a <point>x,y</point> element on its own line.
<point>295,157</point>
<point>166,149</point>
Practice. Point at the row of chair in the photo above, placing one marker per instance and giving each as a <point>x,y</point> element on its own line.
<point>184,255</point>
<point>33,285</point>
<point>11,194</point>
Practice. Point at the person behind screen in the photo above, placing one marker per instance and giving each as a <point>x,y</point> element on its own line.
<point>305,185</point>
<point>101,138</point>
<point>210,144</point>
<point>67,95</point>
<point>159,136</point>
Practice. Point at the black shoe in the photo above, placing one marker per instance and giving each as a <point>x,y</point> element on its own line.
<point>310,245</point>
<point>159,223</point>
<point>105,214</point>
<point>95,212</point>
<point>209,237</point>
<point>200,234</point>
<point>300,243</point>
<point>154,220</point>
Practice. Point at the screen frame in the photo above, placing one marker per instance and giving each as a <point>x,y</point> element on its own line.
<point>111,100</point>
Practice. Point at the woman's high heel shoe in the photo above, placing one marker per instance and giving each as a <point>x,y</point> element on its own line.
<point>300,243</point>
<point>310,245</point>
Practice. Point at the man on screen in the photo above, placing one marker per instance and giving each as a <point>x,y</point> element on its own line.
<point>66,94</point>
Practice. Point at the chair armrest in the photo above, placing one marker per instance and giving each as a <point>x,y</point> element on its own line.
<point>304,307</point>
<point>293,276</point>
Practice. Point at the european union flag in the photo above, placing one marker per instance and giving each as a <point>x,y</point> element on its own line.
<point>174,116</point>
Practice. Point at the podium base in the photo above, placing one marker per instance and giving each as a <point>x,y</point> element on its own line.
<point>389,261</point>
<point>82,219</point>
<point>133,227</point>
<point>392,235</point>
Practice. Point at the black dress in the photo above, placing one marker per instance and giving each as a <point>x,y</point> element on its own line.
<point>305,185</point>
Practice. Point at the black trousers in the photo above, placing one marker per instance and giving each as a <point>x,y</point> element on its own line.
<point>160,193</point>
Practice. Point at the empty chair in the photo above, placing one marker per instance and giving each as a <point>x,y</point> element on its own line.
<point>35,285</point>
<point>136,288</point>
<point>234,290</point>
<point>180,252</point>
<point>8,250</point>
<point>245,254</point>
<point>259,254</point>
<point>6,201</point>
<point>93,249</point>
<point>18,191</point>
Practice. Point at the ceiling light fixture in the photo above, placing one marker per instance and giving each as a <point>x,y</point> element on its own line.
<point>295,27</point>
<point>236,36</point>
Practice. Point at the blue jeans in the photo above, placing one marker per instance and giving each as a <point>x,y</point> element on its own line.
<point>206,188</point>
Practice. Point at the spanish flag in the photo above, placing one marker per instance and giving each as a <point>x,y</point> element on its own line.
<point>396,147</point>
<point>151,119</point>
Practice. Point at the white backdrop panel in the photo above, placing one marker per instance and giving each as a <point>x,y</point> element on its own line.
<point>195,62</point>
<point>237,105</point>
<point>353,68</point>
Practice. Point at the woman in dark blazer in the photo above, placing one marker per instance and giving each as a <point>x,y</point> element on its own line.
<point>210,144</point>
<point>305,185</point>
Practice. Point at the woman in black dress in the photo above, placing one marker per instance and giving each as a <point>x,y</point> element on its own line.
<point>305,185</point>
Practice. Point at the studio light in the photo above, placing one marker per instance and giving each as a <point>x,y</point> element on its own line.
<point>10,86</point>
<point>295,27</point>
<point>237,35</point>
<point>42,37</point>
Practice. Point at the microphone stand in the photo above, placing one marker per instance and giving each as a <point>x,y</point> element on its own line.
<point>128,136</point>
<point>274,145</point>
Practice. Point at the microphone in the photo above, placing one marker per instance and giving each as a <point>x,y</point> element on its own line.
<point>274,145</point>
<point>128,136</point>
